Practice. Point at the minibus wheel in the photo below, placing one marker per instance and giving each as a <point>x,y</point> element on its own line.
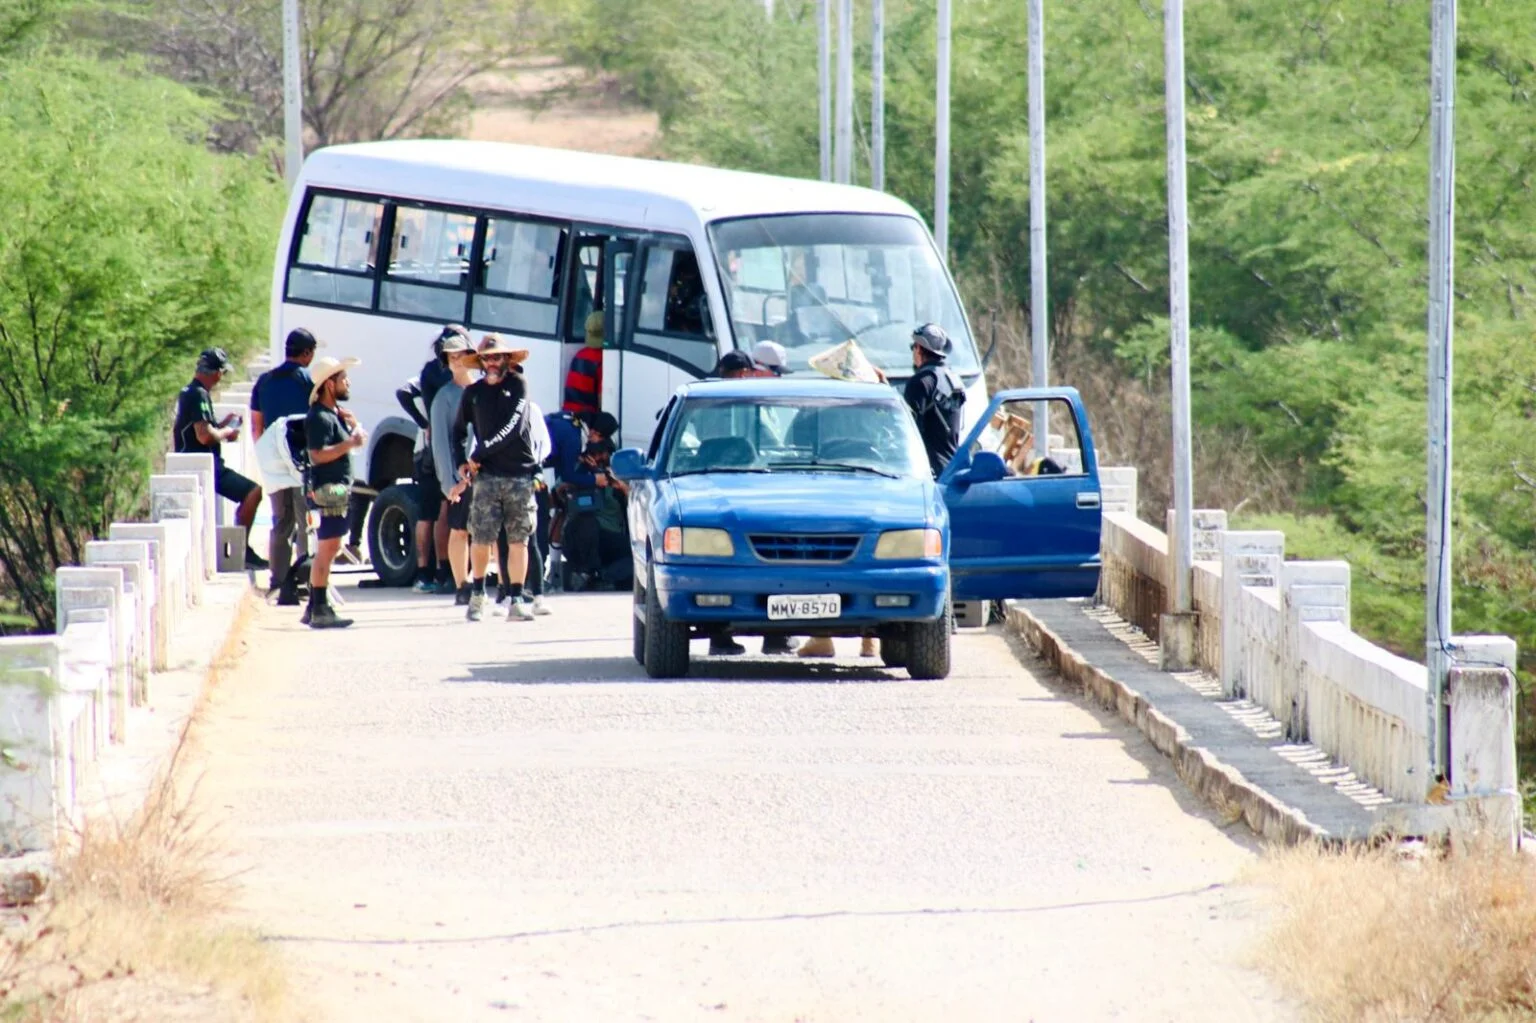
<point>392,534</point>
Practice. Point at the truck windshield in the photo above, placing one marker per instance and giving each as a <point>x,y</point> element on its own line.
<point>795,435</point>
<point>813,280</point>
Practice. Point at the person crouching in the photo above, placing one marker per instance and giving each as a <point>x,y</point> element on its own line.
<point>331,435</point>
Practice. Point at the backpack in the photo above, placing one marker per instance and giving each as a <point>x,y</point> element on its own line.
<point>282,454</point>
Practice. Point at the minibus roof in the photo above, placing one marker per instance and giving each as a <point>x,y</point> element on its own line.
<point>579,186</point>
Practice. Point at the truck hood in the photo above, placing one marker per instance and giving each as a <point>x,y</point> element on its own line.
<point>806,502</point>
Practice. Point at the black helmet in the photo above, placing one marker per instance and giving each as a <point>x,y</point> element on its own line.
<point>932,338</point>
<point>213,360</point>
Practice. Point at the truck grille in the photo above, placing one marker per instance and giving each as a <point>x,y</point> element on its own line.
<point>803,547</point>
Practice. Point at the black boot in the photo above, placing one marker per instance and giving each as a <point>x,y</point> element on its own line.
<point>321,614</point>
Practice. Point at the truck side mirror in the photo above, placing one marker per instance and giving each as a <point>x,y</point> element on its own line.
<point>628,465</point>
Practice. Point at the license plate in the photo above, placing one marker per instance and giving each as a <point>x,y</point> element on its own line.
<point>818,605</point>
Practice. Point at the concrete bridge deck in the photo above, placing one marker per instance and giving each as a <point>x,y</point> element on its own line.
<point>455,821</point>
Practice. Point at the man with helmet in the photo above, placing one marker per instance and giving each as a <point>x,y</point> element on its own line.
<point>935,394</point>
<point>197,432</point>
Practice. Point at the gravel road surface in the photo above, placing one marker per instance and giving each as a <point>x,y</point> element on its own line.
<point>507,821</point>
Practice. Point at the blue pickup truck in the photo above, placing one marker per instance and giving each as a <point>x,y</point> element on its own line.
<point>806,507</point>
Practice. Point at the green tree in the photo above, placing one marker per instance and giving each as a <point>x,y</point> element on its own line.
<point>128,247</point>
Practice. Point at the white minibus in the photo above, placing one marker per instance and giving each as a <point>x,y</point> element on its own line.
<point>385,242</point>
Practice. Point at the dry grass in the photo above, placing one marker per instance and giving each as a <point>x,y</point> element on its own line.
<point>136,923</point>
<point>1373,935</point>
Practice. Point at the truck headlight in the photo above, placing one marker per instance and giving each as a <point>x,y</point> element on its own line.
<point>698,541</point>
<point>910,543</point>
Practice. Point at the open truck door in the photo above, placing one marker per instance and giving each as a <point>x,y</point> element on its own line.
<point>1019,526</point>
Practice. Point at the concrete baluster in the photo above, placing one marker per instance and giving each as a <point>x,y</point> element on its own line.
<point>1247,559</point>
<point>1310,591</point>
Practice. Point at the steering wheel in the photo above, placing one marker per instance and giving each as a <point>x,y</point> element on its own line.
<point>850,447</point>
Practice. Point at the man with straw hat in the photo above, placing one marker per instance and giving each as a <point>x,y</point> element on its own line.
<point>331,434</point>
<point>503,462</point>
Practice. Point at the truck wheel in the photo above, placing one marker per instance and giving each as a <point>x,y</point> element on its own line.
<point>392,534</point>
<point>635,625</point>
<point>666,642</point>
<point>927,647</point>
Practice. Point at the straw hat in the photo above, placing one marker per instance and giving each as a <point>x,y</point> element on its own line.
<point>495,344</point>
<point>325,367</point>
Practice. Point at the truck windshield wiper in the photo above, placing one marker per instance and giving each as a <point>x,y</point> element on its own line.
<point>838,466</point>
<point>722,468</point>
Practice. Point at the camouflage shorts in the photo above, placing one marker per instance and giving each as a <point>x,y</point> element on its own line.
<point>498,501</point>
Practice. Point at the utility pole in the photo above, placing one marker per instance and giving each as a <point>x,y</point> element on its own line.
<point>941,140</point>
<point>877,97</point>
<point>1039,329</point>
<point>824,81</point>
<point>843,164</point>
<point>293,94</point>
<point>1177,631</point>
<point>1442,274</point>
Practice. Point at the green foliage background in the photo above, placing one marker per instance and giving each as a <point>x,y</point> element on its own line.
<point>127,247</point>
<point>1308,151</point>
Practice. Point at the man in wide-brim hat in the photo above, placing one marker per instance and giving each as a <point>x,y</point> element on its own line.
<point>503,462</point>
<point>331,434</point>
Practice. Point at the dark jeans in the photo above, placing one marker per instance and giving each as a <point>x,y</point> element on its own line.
<point>357,518</point>
<point>593,551</point>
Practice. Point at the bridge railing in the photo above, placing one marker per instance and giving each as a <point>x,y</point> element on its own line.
<point>1278,633</point>
<point>65,697</point>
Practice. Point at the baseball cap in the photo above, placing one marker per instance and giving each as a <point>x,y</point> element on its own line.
<point>602,423</point>
<point>299,341</point>
<point>772,356</point>
<point>213,360</point>
<point>932,337</point>
<point>734,362</point>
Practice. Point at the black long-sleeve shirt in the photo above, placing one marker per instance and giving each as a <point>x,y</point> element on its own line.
<point>500,415</point>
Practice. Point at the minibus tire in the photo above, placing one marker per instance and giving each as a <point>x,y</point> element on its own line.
<point>392,534</point>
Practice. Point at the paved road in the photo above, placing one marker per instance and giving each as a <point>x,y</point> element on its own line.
<point>507,821</point>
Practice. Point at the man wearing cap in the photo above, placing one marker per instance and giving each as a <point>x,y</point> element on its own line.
<point>771,357</point>
<point>584,380</point>
<point>935,395</point>
<point>331,434</point>
<point>448,456</point>
<point>502,462</point>
<point>280,392</point>
<point>196,432</point>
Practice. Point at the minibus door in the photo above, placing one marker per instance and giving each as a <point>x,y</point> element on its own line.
<point>621,377</point>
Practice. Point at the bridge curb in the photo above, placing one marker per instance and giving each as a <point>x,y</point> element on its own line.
<point>1219,784</point>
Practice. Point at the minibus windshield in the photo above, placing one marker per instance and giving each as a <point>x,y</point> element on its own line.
<point>813,280</point>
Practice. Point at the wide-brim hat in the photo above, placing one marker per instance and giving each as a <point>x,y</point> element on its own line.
<point>495,344</point>
<point>325,367</point>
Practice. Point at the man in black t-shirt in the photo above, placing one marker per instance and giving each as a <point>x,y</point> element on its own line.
<point>331,434</point>
<point>197,432</point>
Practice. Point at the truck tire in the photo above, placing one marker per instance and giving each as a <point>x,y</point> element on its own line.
<point>392,534</point>
<point>666,642</point>
<point>927,647</point>
<point>635,625</point>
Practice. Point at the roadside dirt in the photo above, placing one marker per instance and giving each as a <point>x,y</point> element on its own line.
<point>545,103</point>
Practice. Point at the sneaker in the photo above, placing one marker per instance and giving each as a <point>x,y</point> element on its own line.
<point>255,561</point>
<point>461,596</point>
<point>288,598</point>
<point>305,617</point>
<point>539,607</point>
<point>725,647</point>
<point>325,617</point>
<point>424,585</point>
<point>778,646</point>
<point>476,607</point>
<point>445,586</point>
<point>503,594</point>
<point>520,610</point>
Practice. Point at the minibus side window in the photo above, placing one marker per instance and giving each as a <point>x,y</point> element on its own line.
<point>337,252</point>
<point>519,276</point>
<point>674,321</point>
<point>428,272</point>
